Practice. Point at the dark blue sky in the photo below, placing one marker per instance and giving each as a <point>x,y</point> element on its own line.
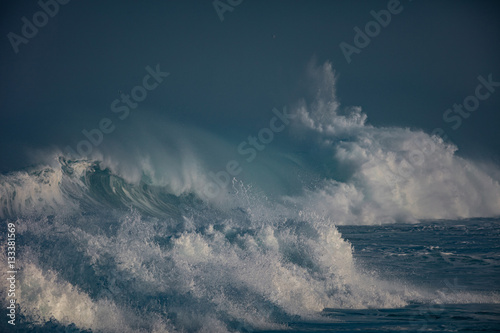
<point>226,76</point>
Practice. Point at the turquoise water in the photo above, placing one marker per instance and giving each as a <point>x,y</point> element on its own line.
<point>176,264</point>
<point>96,253</point>
<point>352,233</point>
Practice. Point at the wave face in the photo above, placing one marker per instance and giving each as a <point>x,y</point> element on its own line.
<point>127,239</point>
<point>329,157</point>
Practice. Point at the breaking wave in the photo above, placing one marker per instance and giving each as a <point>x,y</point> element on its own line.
<point>126,239</point>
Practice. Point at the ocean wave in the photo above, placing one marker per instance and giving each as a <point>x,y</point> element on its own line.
<point>351,171</point>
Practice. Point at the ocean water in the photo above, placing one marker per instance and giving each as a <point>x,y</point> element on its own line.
<point>337,225</point>
<point>250,268</point>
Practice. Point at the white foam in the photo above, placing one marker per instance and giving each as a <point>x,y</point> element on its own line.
<point>43,296</point>
<point>36,192</point>
<point>247,257</point>
<point>395,173</point>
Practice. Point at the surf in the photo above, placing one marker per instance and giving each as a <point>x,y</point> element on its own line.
<point>129,237</point>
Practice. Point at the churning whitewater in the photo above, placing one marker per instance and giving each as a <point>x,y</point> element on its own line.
<point>127,239</point>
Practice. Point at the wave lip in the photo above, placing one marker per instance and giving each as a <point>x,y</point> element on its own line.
<point>139,236</point>
<point>351,171</point>
<point>74,186</point>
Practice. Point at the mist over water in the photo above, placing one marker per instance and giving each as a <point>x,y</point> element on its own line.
<point>328,156</point>
<point>126,239</point>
